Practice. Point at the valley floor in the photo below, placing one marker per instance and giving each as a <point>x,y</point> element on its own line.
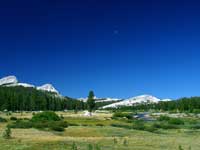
<point>100,137</point>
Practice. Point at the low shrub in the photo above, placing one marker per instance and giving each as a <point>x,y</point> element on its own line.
<point>197,126</point>
<point>90,147</point>
<point>176,121</point>
<point>57,128</point>
<point>196,111</point>
<point>121,125</point>
<point>163,118</point>
<point>73,124</point>
<point>21,124</point>
<point>150,128</point>
<point>45,116</point>
<point>99,124</point>
<point>164,126</point>
<point>123,115</point>
<point>3,119</point>
<point>63,124</point>
<point>138,125</point>
<point>74,146</point>
<point>7,133</point>
<point>13,118</point>
<point>62,117</point>
<point>39,125</point>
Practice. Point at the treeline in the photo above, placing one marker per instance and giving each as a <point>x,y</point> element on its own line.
<point>29,99</point>
<point>191,105</point>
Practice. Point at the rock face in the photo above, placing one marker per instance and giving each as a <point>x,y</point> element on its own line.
<point>48,87</point>
<point>8,80</point>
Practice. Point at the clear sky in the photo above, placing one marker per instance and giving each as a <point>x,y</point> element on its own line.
<point>118,48</point>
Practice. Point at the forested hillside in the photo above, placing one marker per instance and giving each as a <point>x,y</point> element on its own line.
<point>30,99</point>
<point>191,105</point>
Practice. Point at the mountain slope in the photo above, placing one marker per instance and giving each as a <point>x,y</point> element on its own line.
<point>11,81</point>
<point>134,101</point>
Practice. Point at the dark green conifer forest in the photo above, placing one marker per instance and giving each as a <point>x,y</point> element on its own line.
<point>30,99</point>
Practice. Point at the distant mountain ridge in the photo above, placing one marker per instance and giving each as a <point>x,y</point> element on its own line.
<point>142,99</point>
<point>11,81</point>
<point>107,99</point>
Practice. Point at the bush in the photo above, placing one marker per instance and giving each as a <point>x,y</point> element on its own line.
<point>3,119</point>
<point>176,121</point>
<point>197,126</point>
<point>123,115</point>
<point>13,118</point>
<point>7,133</point>
<point>41,125</point>
<point>163,118</point>
<point>164,126</point>
<point>57,128</point>
<point>45,116</point>
<point>139,125</point>
<point>150,128</point>
<point>63,124</point>
<point>73,124</point>
<point>53,125</point>
<point>21,124</point>
<point>99,124</point>
<point>121,126</point>
<point>196,111</point>
<point>50,124</point>
<point>74,146</point>
<point>62,117</point>
<point>90,147</point>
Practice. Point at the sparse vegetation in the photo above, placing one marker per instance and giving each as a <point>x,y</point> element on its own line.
<point>2,120</point>
<point>123,115</point>
<point>103,133</point>
<point>13,118</point>
<point>7,133</point>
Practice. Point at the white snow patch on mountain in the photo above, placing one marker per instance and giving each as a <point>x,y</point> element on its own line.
<point>21,84</point>
<point>11,81</point>
<point>8,80</point>
<point>108,99</point>
<point>48,87</point>
<point>134,101</point>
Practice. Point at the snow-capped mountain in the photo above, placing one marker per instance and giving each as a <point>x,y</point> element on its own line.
<point>48,87</point>
<point>12,81</point>
<point>21,84</point>
<point>108,99</point>
<point>8,80</point>
<point>135,100</point>
<point>101,99</point>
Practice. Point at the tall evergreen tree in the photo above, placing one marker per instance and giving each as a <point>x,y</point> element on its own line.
<point>91,102</point>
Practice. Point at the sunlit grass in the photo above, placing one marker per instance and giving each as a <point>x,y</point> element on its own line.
<point>106,136</point>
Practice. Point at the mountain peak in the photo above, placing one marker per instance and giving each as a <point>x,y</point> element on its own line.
<point>48,87</point>
<point>11,81</point>
<point>8,80</point>
<point>134,101</point>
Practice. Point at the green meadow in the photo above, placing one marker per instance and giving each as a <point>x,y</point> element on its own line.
<point>103,132</point>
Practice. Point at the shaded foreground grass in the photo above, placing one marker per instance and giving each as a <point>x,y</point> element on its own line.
<point>32,139</point>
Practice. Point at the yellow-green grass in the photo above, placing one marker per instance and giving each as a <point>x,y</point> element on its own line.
<point>106,137</point>
<point>32,139</point>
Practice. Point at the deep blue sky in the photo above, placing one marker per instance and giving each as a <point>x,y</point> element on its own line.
<point>118,48</point>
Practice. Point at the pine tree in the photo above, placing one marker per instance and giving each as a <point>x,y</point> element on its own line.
<point>91,102</point>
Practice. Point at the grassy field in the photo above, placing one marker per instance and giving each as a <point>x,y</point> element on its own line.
<point>97,133</point>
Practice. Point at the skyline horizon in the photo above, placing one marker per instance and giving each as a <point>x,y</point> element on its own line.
<point>84,97</point>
